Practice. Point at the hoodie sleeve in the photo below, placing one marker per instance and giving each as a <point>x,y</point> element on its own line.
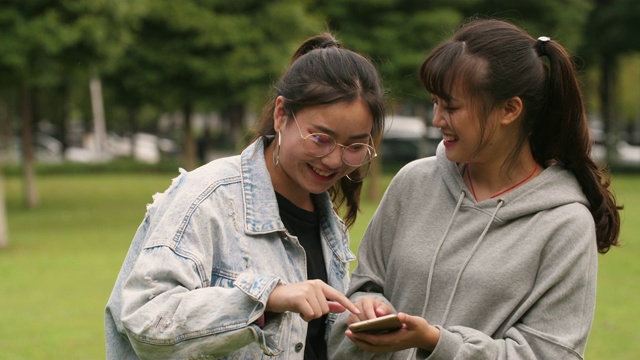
<point>555,320</point>
<point>369,277</point>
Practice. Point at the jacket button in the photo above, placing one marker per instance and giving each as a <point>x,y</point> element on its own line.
<point>298,347</point>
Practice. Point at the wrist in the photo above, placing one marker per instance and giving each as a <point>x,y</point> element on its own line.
<point>431,338</point>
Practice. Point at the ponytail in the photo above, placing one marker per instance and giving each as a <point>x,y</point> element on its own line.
<point>561,135</point>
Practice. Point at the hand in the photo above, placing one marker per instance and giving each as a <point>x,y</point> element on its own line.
<point>415,332</point>
<point>370,308</point>
<point>311,299</point>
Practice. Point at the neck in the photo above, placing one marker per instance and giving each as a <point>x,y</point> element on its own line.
<point>488,187</point>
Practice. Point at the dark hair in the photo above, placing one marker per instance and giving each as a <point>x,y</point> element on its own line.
<point>496,61</point>
<point>323,73</point>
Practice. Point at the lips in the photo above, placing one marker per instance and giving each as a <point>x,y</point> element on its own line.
<point>320,172</point>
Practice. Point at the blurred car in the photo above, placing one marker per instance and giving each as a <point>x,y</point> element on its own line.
<point>46,149</point>
<point>143,147</point>
<point>407,138</point>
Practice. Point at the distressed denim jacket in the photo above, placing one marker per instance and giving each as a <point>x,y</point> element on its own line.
<point>203,263</point>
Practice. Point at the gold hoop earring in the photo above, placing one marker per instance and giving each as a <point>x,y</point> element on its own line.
<point>358,175</point>
<point>276,152</point>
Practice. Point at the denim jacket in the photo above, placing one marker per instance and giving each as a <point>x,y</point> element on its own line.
<point>203,263</point>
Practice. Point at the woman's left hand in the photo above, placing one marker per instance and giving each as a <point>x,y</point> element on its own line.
<point>415,332</point>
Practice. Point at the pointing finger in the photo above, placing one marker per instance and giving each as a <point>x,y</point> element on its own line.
<point>333,294</point>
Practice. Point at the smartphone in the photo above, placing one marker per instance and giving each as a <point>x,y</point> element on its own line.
<point>380,325</point>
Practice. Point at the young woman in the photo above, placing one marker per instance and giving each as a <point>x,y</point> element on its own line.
<point>245,256</point>
<point>489,249</point>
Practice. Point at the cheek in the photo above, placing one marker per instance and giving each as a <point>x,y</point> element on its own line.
<point>292,154</point>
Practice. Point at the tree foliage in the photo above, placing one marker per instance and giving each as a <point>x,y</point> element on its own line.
<point>396,34</point>
<point>224,55</point>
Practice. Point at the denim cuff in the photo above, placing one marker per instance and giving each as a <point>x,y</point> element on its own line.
<point>257,286</point>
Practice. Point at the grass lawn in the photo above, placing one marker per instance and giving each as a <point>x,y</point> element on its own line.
<point>64,256</point>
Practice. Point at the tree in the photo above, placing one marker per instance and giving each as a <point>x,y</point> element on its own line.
<point>4,227</point>
<point>611,31</point>
<point>44,41</point>
<point>26,44</point>
<point>395,34</point>
<point>198,55</point>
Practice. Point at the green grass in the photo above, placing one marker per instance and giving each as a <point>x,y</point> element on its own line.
<point>63,259</point>
<point>64,256</point>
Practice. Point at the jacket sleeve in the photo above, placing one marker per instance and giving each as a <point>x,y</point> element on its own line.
<point>167,313</point>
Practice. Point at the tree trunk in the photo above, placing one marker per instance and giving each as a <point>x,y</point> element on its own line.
<point>4,135</point>
<point>99,123</point>
<point>189,145</point>
<point>132,116</point>
<point>63,109</point>
<point>608,85</point>
<point>6,130</point>
<point>28,169</point>
<point>4,227</point>
<point>236,117</point>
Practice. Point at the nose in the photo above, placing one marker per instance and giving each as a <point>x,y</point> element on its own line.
<point>333,160</point>
<point>438,119</point>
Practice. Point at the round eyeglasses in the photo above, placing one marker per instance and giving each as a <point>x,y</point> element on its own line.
<point>319,145</point>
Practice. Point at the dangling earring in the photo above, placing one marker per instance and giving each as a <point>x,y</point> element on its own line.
<point>358,175</point>
<point>276,152</point>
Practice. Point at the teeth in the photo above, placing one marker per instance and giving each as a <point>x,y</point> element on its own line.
<point>322,173</point>
<point>449,137</point>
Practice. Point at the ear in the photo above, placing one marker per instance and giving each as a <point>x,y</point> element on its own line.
<point>511,110</point>
<point>279,114</point>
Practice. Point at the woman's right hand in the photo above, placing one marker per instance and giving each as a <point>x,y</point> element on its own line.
<point>311,299</point>
<point>370,308</point>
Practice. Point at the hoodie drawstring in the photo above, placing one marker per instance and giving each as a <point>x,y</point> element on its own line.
<point>466,262</point>
<point>435,256</point>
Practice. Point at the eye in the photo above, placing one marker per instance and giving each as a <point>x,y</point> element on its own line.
<point>357,147</point>
<point>321,139</point>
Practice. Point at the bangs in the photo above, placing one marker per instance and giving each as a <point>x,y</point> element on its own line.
<point>448,66</point>
<point>437,72</point>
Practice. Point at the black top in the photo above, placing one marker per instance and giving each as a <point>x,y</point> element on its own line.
<point>305,225</point>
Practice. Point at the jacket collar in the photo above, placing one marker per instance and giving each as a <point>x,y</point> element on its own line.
<point>261,207</point>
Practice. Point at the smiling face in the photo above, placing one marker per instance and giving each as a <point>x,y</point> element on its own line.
<point>474,131</point>
<point>460,130</point>
<point>299,174</point>
<point>469,133</point>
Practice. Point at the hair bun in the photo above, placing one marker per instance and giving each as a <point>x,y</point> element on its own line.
<point>321,41</point>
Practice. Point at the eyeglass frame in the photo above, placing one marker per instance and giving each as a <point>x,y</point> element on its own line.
<point>370,148</point>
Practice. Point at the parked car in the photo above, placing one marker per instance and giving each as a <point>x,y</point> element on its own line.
<point>46,149</point>
<point>147,148</point>
<point>407,138</point>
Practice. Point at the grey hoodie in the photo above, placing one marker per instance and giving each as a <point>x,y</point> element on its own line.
<point>507,278</point>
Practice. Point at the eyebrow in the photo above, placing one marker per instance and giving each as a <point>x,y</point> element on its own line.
<point>328,131</point>
<point>450,96</point>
